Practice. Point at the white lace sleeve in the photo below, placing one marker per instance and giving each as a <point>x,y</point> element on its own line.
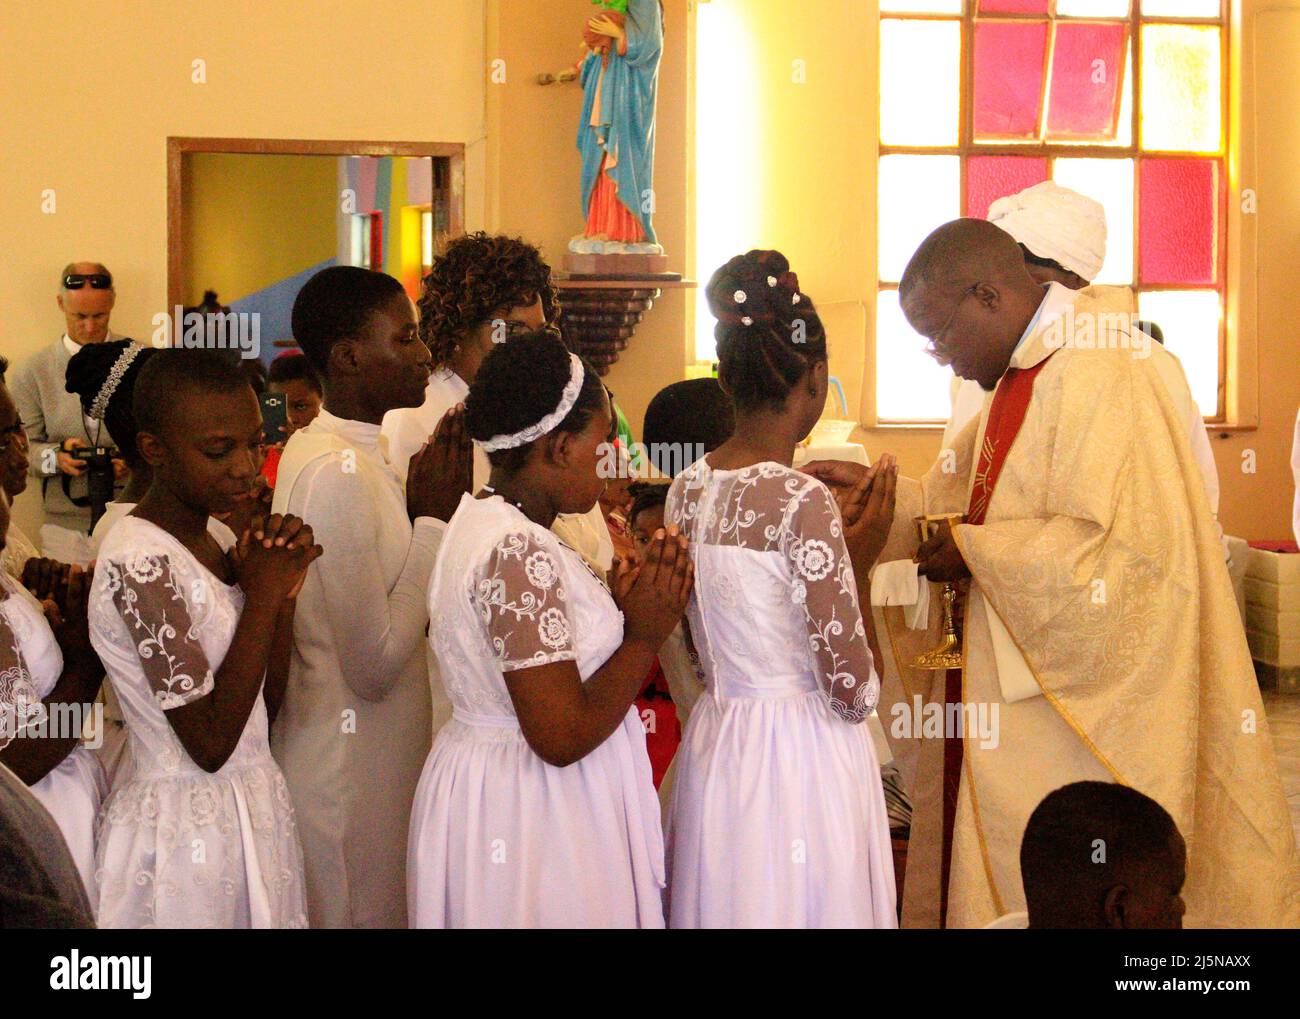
<point>521,601</point>
<point>20,706</point>
<point>158,620</point>
<point>824,584</point>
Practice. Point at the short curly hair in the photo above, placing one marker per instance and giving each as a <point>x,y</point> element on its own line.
<point>474,276</point>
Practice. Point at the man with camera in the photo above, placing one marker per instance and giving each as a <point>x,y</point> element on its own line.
<point>71,452</point>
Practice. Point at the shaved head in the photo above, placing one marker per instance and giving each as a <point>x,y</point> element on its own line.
<point>967,291</point>
<point>964,252</point>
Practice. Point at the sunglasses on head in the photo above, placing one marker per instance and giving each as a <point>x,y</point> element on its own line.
<point>97,280</point>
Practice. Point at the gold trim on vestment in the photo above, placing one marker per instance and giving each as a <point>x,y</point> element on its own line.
<point>1051,698</point>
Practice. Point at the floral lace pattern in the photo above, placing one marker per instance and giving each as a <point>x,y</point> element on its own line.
<point>179,846</point>
<point>521,600</point>
<point>20,704</point>
<point>159,619</point>
<point>774,510</point>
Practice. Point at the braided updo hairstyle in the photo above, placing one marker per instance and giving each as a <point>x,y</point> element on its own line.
<point>86,374</point>
<point>519,383</point>
<point>768,331</point>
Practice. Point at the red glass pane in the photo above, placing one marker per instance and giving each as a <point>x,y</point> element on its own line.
<point>989,178</point>
<point>1180,206</point>
<point>1013,6</point>
<point>1087,71</point>
<point>1009,77</point>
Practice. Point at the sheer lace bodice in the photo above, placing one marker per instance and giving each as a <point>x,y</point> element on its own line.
<point>161,622</point>
<point>508,594</point>
<point>775,606</point>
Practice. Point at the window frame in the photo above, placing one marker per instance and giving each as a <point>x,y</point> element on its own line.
<point>1230,412</point>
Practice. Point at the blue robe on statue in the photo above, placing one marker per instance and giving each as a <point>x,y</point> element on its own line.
<point>627,112</point>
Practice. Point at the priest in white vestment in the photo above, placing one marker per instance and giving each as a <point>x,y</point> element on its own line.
<point>1100,629</point>
<point>1062,235</point>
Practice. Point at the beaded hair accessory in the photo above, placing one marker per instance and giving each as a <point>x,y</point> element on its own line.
<point>115,375</point>
<point>788,282</point>
<point>548,424</point>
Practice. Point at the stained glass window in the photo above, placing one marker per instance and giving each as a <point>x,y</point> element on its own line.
<point>989,178</point>
<point>1180,222</point>
<point>1087,72</point>
<point>1009,65</point>
<point>985,98</point>
<point>1092,8</point>
<point>916,194</point>
<point>1181,9</point>
<point>1181,82</point>
<point>920,6</point>
<point>920,87</point>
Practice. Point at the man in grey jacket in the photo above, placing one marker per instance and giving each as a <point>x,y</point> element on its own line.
<point>53,418</point>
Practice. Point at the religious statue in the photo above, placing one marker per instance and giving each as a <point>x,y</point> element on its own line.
<point>619,75</point>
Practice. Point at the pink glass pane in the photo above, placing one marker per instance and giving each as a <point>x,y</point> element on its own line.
<point>989,178</point>
<point>1087,71</point>
<point>1013,6</point>
<point>1008,77</point>
<point>1180,204</point>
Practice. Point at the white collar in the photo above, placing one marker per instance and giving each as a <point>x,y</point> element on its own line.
<point>71,346</point>
<point>445,378</point>
<point>360,433</point>
<point>1055,301</point>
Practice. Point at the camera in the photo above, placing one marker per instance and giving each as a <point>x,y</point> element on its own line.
<point>99,478</point>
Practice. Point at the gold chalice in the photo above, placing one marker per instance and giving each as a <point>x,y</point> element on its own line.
<point>948,653</point>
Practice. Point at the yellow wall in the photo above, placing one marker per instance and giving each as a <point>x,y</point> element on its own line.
<point>253,220</point>
<point>95,90</point>
<point>1268,243</point>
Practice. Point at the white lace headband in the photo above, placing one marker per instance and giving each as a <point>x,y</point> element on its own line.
<point>114,379</point>
<point>534,432</point>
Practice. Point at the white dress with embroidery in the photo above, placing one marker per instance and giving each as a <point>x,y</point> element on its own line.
<point>500,838</point>
<point>180,846</point>
<point>31,663</point>
<point>777,816</point>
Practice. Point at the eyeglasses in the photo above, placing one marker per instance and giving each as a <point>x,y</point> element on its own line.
<point>938,345</point>
<point>97,280</point>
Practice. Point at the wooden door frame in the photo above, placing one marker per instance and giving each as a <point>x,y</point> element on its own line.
<point>179,147</point>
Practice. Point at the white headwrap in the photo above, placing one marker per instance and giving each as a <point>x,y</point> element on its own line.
<point>534,432</point>
<point>1057,223</point>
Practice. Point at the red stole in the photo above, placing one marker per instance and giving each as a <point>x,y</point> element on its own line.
<point>1006,415</point>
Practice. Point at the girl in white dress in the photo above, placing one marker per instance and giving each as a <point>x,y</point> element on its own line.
<point>777,817</point>
<point>49,676</point>
<point>536,807</point>
<point>195,633</point>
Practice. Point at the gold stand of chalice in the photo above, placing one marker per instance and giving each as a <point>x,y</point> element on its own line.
<point>947,655</point>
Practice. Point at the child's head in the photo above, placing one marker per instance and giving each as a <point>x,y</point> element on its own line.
<point>103,377</point>
<point>1099,854</point>
<point>686,420</point>
<point>647,513</point>
<point>200,427</point>
<point>293,377</point>
<point>535,407</point>
<point>480,289</point>
<point>357,328</point>
<point>13,439</point>
<point>771,343</point>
